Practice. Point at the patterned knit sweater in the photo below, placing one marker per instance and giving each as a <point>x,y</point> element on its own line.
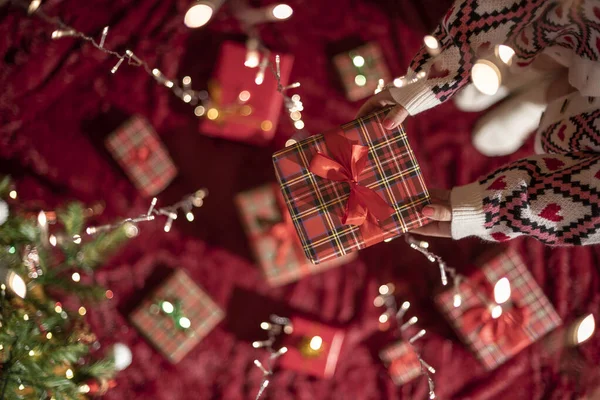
<point>554,196</point>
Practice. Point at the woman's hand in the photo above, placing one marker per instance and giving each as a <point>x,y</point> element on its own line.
<point>440,212</point>
<point>384,98</point>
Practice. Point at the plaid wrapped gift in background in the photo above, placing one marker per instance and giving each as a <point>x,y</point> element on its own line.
<point>402,362</point>
<point>361,69</point>
<point>525,294</point>
<point>138,149</point>
<point>274,240</point>
<point>317,205</point>
<point>241,110</point>
<point>203,313</point>
<point>313,348</point>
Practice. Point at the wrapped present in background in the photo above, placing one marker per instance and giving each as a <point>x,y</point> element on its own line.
<point>273,237</point>
<point>138,149</point>
<point>177,316</point>
<point>351,187</point>
<point>240,109</point>
<point>361,69</point>
<point>402,362</point>
<point>499,309</point>
<point>313,348</point>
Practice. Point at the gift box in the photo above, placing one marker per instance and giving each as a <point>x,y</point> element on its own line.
<point>361,69</point>
<point>138,149</point>
<point>351,187</point>
<point>177,316</point>
<point>493,331</point>
<point>240,109</point>
<point>273,237</point>
<point>402,362</point>
<point>313,348</point>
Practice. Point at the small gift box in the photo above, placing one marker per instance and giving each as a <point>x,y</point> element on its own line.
<point>177,316</point>
<point>313,348</point>
<point>240,109</point>
<point>273,237</point>
<point>500,309</point>
<point>361,69</point>
<point>351,187</point>
<point>402,362</point>
<point>138,149</point>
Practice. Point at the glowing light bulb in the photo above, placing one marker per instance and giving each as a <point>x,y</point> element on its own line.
<point>190,216</point>
<point>360,80</point>
<point>358,61</point>
<point>486,77</point>
<point>16,284</point>
<point>109,294</point>
<point>42,220</point>
<point>431,42</point>
<point>260,78</point>
<point>496,311</point>
<point>198,15</point>
<point>265,326</point>
<point>167,307</point>
<point>388,240</point>
<point>185,322</point>
<point>379,301</point>
<point>384,289</point>
<point>26,317</point>
<point>290,142</point>
<point>457,300</point>
<point>212,114</point>
<point>187,98</point>
<point>299,124</point>
<point>58,308</point>
<point>252,59</point>
<point>76,277</point>
<point>53,241</point>
<point>131,230</point>
<point>69,374</point>
<point>49,335</point>
<point>244,95</point>
<point>199,111</point>
<point>82,311</point>
<point>31,353</point>
<point>13,194</point>
<point>316,342</point>
<point>585,329</point>
<point>502,291</point>
<point>76,239</point>
<point>383,318</point>
<point>21,387</point>
<point>505,53</point>
<point>282,11</point>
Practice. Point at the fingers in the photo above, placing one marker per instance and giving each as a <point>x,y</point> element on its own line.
<point>438,212</point>
<point>435,229</point>
<point>380,100</point>
<point>395,117</point>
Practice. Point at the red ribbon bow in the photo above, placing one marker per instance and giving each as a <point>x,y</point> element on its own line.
<point>364,206</point>
<point>508,325</point>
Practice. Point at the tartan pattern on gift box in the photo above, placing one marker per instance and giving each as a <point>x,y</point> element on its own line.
<point>137,148</point>
<point>321,365</point>
<point>258,123</point>
<point>317,205</point>
<point>374,68</point>
<point>402,362</point>
<point>524,291</point>
<point>197,306</point>
<point>260,205</point>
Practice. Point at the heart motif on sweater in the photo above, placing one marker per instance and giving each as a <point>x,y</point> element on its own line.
<point>559,11</point>
<point>553,163</point>
<point>498,184</point>
<point>597,12</point>
<point>500,237</point>
<point>561,132</point>
<point>597,175</point>
<point>570,40</point>
<point>483,48</point>
<point>437,72</point>
<point>550,212</point>
<point>524,38</point>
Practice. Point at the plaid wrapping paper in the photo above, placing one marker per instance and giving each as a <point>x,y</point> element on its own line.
<point>260,209</point>
<point>137,148</point>
<point>317,205</point>
<point>402,362</point>
<point>321,365</point>
<point>374,68</point>
<point>197,306</point>
<point>232,77</point>
<point>524,291</point>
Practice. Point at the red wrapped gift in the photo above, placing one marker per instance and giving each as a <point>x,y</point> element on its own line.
<point>496,332</point>
<point>273,237</point>
<point>313,348</point>
<point>361,69</point>
<point>240,109</point>
<point>402,362</point>
<point>137,148</point>
<point>351,187</point>
<point>162,323</point>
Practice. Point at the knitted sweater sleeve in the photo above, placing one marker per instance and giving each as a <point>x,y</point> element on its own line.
<point>554,198</point>
<point>469,29</point>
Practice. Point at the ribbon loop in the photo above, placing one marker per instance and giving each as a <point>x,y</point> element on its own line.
<point>364,206</point>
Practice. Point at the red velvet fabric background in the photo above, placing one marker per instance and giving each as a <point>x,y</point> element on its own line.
<point>58,101</point>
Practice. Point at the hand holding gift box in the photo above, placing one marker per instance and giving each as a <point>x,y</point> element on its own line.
<point>352,187</point>
<point>498,310</point>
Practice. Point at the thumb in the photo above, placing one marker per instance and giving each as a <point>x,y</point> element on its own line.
<point>438,212</point>
<point>395,117</point>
